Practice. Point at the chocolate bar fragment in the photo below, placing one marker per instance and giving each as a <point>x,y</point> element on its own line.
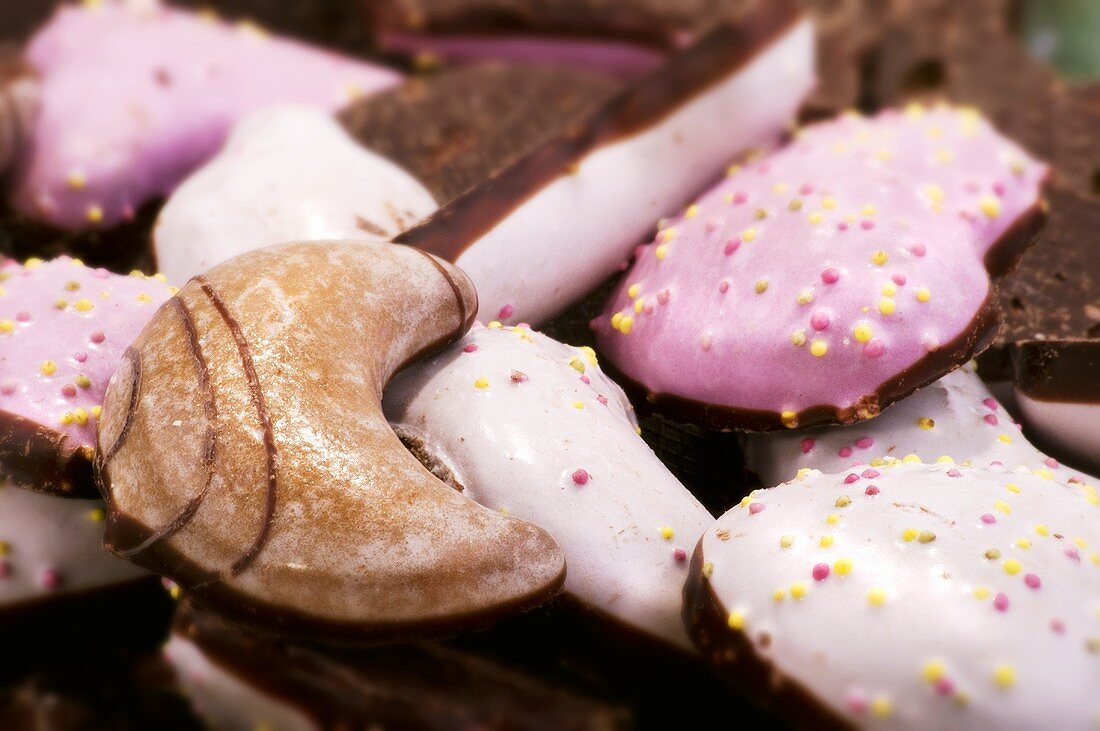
<point>238,679</point>
<point>453,129</point>
<point>552,226</point>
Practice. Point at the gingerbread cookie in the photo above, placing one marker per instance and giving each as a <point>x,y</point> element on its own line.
<point>828,279</point>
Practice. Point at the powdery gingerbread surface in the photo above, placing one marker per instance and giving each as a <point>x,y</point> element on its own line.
<point>920,596</point>
<point>532,427</point>
<point>813,276</point>
<point>63,329</point>
<point>956,418</point>
<point>134,95</point>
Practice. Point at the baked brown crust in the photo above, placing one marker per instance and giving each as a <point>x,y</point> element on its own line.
<point>243,452</point>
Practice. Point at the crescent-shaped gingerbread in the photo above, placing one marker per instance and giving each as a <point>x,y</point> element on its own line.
<point>244,454</point>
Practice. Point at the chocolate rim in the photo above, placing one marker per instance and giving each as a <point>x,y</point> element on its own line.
<point>33,456</point>
<point>973,340</point>
<point>731,654</point>
<point>1066,370</point>
<point>723,51</point>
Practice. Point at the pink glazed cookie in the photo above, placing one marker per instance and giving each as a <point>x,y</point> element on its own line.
<point>826,280</point>
<point>135,95</point>
<point>63,330</point>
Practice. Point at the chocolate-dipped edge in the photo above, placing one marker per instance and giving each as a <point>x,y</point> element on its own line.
<point>731,654</point>
<point>33,456</point>
<point>1065,370</point>
<point>335,688</point>
<point>16,109</point>
<point>724,50</point>
<point>973,340</point>
<point>661,26</point>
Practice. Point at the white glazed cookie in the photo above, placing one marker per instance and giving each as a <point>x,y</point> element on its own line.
<point>51,547</point>
<point>286,174</point>
<point>955,417</point>
<point>927,596</point>
<point>534,428</point>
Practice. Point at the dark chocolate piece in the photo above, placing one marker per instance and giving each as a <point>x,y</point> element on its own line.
<point>422,685</point>
<point>456,128</point>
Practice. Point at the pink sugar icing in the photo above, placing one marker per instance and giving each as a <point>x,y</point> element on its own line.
<point>71,307</point>
<point>134,96</point>
<point>941,187</point>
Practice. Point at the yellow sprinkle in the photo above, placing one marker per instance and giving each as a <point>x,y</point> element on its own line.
<point>67,418</point>
<point>1004,438</point>
<point>1044,473</point>
<point>805,296</point>
<point>878,462</point>
<point>795,205</point>
<point>909,534</point>
<point>736,621</point>
<point>786,541</point>
<point>828,203</point>
<point>1011,567</point>
<point>481,383</point>
<point>761,286</point>
<point>578,404</point>
<point>798,590</point>
<point>981,593</point>
<point>868,210</point>
<point>96,411</point>
<point>881,707</point>
<point>889,290</point>
<point>48,368</point>
<point>819,348</point>
<point>876,597</point>
<point>589,355</point>
<point>879,258</point>
<point>933,670</point>
<point>815,218</point>
<point>925,423</point>
<point>639,305</point>
<point>494,325</point>
<point>5,549</point>
<point>94,214</point>
<point>616,320</point>
<point>748,235</point>
<point>862,332</point>
<point>32,263</point>
<point>843,501</point>
<point>990,206</point>
<point>1023,544</point>
<point>886,306</point>
<point>77,180</point>
<point>626,324</point>
<point>692,211</point>
<point>577,364</point>
<point>789,419</point>
<point>632,291</point>
<point>926,536</point>
<point>1013,488</point>
<point>1004,676</point>
<point>923,295</point>
<point>1080,542</point>
<point>779,595</point>
<point>802,472</point>
<point>832,519</point>
<point>798,337</point>
<point>733,170</point>
<point>80,416</point>
<point>842,566</point>
<point>61,304</point>
<point>661,252</point>
<point>945,458</point>
<point>1002,506</point>
<point>708,569</point>
<point>779,188</point>
<point>826,541</point>
<point>666,532</point>
<point>914,110</point>
<point>83,305</point>
<point>8,326</point>
<point>944,156</point>
<point>884,154</point>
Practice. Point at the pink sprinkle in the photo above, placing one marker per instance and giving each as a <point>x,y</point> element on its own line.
<point>740,197</point>
<point>990,419</point>
<point>470,348</point>
<point>899,279</point>
<point>679,554</point>
<point>755,508</point>
<point>819,320</point>
<point>843,226</point>
<point>945,686</point>
<point>999,188</point>
<point>50,579</point>
<point>852,477</point>
<point>1033,581</point>
<point>519,377</point>
<point>871,490</point>
<point>5,569</point>
<point>918,250</point>
<point>806,189</point>
<point>648,308</point>
<point>505,312</point>
<point>864,442</point>
<point>830,275</point>
<point>23,316</point>
<point>586,380</point>
<point>723,286</point>
<point>1058,626</point>
<point>98,337</point>
<point>870,473</point>
<point>764,167</point>
<point>1072,554</point>
<point>7,388</point>
<point>821,571</point>
<point>1000,602</point>
<point>662,297</point>
<point>100,273</point>
<point>80,357</point>
<point>807,445</point>
<point>866,225</point>
<point>602,399</point>
<point>844,452</point>
<point>731,245</point>
<point>1051,463</point>
<point>856,703</point>
<point>68,390</point>
<point>713,224</point>
<point>990,403</point>
<point>580,476</point>
<point>954,473</point>
<point>874,348</point>
<point>989,518</point>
